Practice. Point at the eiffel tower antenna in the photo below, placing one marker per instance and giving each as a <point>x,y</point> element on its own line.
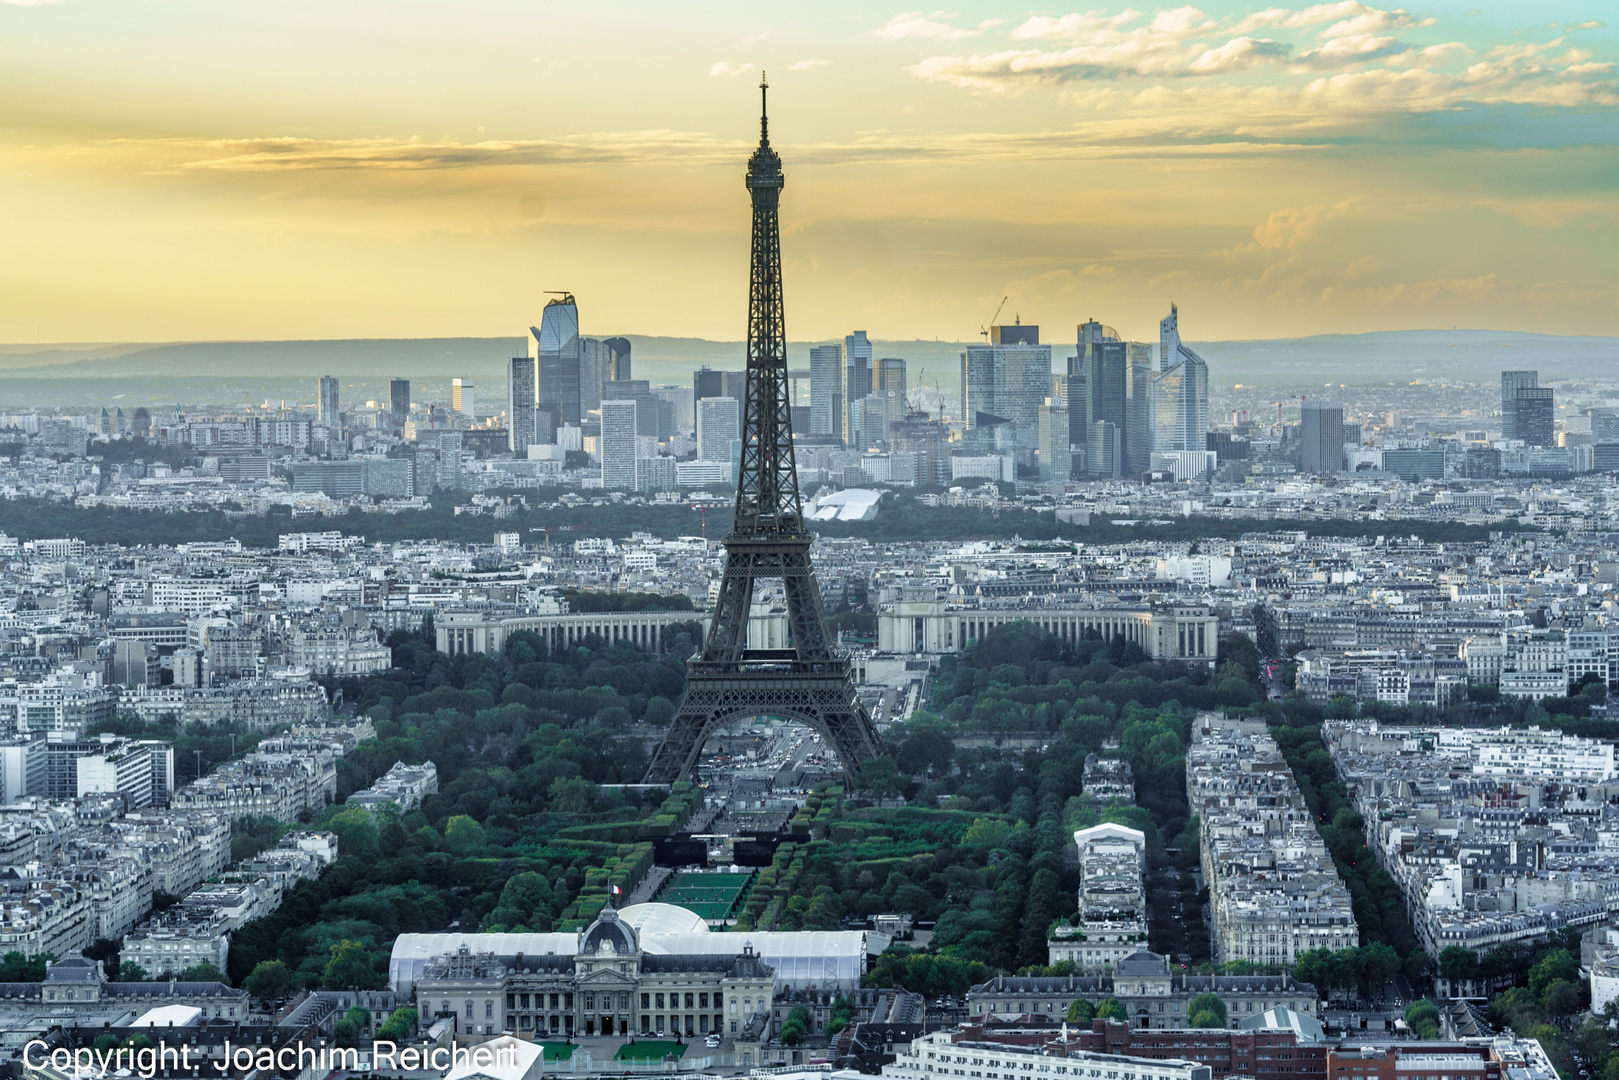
<point>807,682</point>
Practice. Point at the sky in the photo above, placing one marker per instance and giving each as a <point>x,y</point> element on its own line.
<point>179,170</point>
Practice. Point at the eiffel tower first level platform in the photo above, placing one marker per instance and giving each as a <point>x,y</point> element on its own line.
<point>808,681</point>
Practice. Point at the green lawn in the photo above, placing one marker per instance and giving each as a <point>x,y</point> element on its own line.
<point>711,896</point>
<point>557,1051</point>
<point>649,1050</point>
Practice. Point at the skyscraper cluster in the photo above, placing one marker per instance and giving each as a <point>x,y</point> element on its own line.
<point>855,396</point>
<point>563,377</point>
<point>1112,414</point>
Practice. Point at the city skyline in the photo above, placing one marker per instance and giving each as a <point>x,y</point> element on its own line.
<point>1324,169</point>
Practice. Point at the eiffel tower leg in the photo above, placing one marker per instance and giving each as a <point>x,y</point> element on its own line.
<point>826,703</point>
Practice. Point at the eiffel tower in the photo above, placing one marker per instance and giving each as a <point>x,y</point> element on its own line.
<point>807,682</point>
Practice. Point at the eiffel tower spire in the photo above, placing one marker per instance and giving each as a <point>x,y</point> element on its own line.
<point>727,681</point>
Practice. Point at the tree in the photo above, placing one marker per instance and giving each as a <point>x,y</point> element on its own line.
<point>347,1031</point>
<point>463,834</point>
<point>1561,999</point>
<point>926,750</point>
<point>1206,1011</point>
<point>1376,964</point>
<point>399,1026</point>
<point>795,1027</point>
<point>1555,965</point>
<point>1423,1016</point>
<point>881,777</point>
<point>270,980</point>
<point>17,967</point>
<point>1080,1011</point>
<point>1111,1009</point>
<point>350,966</point>
<point>202,973</point>
<point>1458,964</point>
<point>129,971</point>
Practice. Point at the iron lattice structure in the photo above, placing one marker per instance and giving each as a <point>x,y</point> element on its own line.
<point>808,681</point>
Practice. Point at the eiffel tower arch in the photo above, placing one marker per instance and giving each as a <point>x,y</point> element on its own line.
<point>726,681</point>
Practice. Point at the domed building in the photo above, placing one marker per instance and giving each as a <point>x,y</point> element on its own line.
<point>606,979</point>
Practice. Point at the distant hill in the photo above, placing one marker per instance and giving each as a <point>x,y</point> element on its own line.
<point>235,371</point>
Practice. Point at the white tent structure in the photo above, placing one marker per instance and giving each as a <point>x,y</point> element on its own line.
<point>803,959</point>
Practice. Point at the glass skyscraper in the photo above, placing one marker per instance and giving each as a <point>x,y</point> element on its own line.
<point>554,346</point>
<point>826,390</point>
<point>1180,393</point>
<point>856,379</point>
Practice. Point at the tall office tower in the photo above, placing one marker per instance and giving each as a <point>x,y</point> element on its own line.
<point>1138,413</point>
<point>826,390</point>
<point>1511,383</point>
<point>707,382</point>
<point>978,383</point>
<point>868,422</point>
<point>616,365</point>
<point>618,360</point>
<point>554,345</point>
<point>891,378</point>
<point>1106,402</point>
<point>399,400</point>
<point>1104,450</point>
<point>719,422</point>
<point>328,400</point>
<point>1321,430</point>
<point>856,377</point>
<point>1074,396</point>
<point>592,374</point>
<point>618,443</point>
<point>682,412</point>
<point>449,461</point>
<point>1180,393</point>
<point>1022,372</point>
<point>1535,416</point>
<point>461,397</point>
<point>1055,458</point>
<point>521,429</point>
<point>1169,339</point>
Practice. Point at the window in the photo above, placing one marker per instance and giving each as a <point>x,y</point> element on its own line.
<point>646,1001</point>
<point>488,1010</point>
<point>702,1003</point>
<point>689,998</point>
<point>469,1008</point>
<point>717,1001</point>
<point>660,1001</point>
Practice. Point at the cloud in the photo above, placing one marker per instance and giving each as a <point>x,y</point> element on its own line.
<point>1239,53</point>
<point>725,67</point>
<point>810,65</point>
<point>1289,229</point>
<point>915,25</point>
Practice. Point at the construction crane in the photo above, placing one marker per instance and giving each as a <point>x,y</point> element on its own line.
<point>1279,404</point>
<point>984,330</point>
<point>546,529</point>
